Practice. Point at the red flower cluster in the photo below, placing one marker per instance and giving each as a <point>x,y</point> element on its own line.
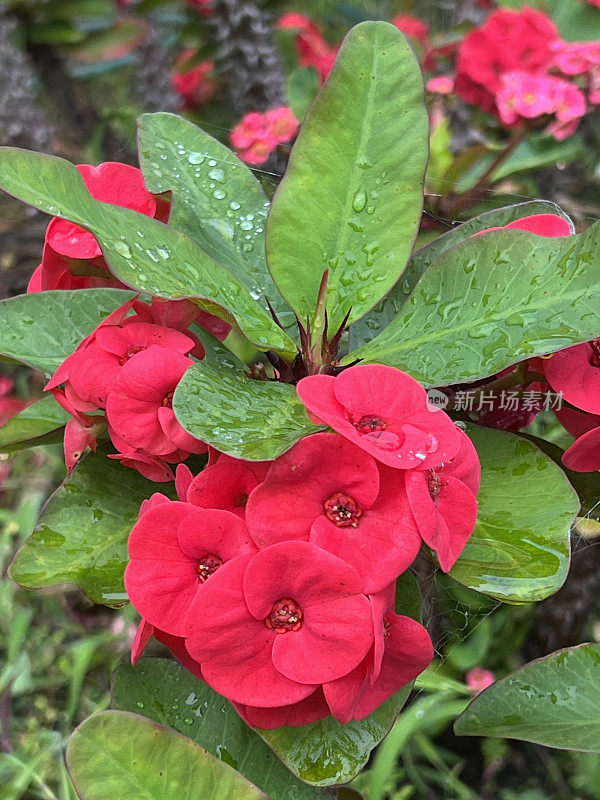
<point>312,48</point>
<point>193,82</point>
<point>275,582</point>
<point>505,67</point>
<point>129,367</point>
<point>508,40</point>
<point>72,258</point>
<point>258,135</point>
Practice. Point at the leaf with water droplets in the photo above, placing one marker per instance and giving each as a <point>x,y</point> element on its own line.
<point>380,316</point>
<point>41,422</point>
<point>491,301</point>
<point>43,328</point>
<point>352,196</point>
<point>553,701</point>
<point>216,200</point>
<point>156,685</point>
<point>519,551</point>
<point>141,252</point>
<point>115,754</point>
<point>82,533</point>
<point>251,419</point>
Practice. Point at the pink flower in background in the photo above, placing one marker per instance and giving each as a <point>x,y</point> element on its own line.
<point>479,679</point>
<point>522,96</point>
<point>441,84</point>
<point>575,58</point>
<point>595,3</point>
<point>257,135</point>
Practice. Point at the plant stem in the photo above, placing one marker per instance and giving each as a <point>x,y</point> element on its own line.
<point>467,198</point>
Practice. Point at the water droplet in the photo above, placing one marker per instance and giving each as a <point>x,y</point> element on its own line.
<point>359,201</point>
<point>234,205</point>
<point>404,286</point>
<point>212,163</point>
<point>196,158</point>
<point>217,175</point>
<point>123,249</point>
<point>219,194</point>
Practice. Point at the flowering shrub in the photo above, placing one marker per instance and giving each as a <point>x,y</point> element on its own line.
<point>303,364</point>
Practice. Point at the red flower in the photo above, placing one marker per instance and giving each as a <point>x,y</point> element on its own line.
<point>312,48</point>
<point>227,484</point>
<point>270,628</point>
<point>72,257</point>
<point>508,40</point>
<point>385,412</point>
<point>311,709</point>
<point>175,548</point>
<point>574,373</point>
<point>176,644</point>
<point>151,467</point>
<point>91,371</point>
<point>551,225</point>
<point>584,454</point>
<point>443,502</point>
<point>412,27</point>
<point>139,409</point>
<point>401,650</point>
<point>194,84</point>
<point>330,492</point>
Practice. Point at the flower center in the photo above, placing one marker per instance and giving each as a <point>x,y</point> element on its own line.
<point>374,429</point>
<point>168,400</point>
<point>436,484</point>
<point>595,357</point>
<point>342,510</point>
<point>207,566</point>
<point>130,354</point>
<point>286,615</point>
<point>387,626</point>
<point>370,424</point>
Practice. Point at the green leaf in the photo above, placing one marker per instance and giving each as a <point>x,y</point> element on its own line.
<point>576,21</point>
<point>166,692</point>
<point>327,752</point>
<point>377,319</point>
<point>352,196</point>
<point>39,423</point>
<point>245,418</point>
<point>140,251</point>
<point>553,701</point>
<point>82,532</point>
<point>492,301</point>
<point>302,88</point>
<point>115,754</point>
<point>519,551</point>
<point>43,328</point>
<point>216,200</point>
